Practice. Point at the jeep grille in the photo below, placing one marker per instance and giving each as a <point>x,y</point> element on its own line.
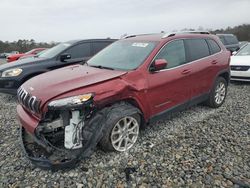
<point>28,101</point>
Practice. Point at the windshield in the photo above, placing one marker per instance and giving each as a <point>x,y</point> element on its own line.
<point>123,55</point>
<point>52,52</point>
<point>244,51</point>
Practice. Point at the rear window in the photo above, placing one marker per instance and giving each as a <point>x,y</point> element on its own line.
<point>231,40</point>
<point>214,47</point>
<point>197,49</point>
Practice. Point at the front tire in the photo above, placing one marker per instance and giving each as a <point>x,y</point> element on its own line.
<point>218,94</point>
<point>122,127</point>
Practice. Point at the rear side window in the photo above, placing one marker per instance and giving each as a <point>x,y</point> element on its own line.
<point>197,49</point>
<point>98,46</point>
<point>214,47</point>
<point>231,40</point>
<point>173,53</point>
<point>79,51</point>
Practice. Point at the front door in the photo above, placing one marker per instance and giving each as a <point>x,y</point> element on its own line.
<point>170,87</point>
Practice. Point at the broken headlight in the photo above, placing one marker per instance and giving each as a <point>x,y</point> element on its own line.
<point>70,102</point>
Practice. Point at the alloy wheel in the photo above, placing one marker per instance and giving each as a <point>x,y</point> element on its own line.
<point>125,133</point>
<point>220,93</point>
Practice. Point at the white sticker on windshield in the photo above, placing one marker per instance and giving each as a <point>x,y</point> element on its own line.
<point>140,44</point>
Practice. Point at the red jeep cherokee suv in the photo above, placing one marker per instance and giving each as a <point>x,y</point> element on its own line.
<point>65,113</point>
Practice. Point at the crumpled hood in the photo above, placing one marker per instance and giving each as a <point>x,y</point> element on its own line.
<point>51,84</point>
<point>240,60</point>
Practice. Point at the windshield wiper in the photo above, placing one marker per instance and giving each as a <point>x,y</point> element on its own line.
<point>101,67</point>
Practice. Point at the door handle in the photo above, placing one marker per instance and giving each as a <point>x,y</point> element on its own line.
<point>214,62</point>
<point>186,71</point>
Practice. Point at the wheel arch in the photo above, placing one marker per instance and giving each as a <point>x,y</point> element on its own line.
<point>225,75</point>
<point>134,102</point>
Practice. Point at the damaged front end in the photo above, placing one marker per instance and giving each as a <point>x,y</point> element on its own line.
<point>68,133</point>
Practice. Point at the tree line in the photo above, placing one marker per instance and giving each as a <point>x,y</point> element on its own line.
<point>242,32</point>
<point>23,45</point>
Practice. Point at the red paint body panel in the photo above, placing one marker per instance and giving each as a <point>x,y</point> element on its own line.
<point>67,79</point>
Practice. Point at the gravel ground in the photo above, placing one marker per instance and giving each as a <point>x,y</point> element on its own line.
<point>199,147</point>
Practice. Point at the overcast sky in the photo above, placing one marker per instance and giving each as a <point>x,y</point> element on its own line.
<point>62,20</point>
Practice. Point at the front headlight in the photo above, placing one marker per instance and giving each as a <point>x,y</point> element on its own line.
<point>12,72</point>
<point>70,102</point>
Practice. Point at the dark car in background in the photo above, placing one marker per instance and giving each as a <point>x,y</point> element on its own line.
<point>13,75</point>
<point>230,41</point>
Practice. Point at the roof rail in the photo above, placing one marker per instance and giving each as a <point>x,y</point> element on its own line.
<point>130,36</point>
<point>184,32</point>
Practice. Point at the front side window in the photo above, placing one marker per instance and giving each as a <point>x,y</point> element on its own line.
<point>79,51</point>
<point>173,53</point>
<point>52,52</point>
<point>197,49</point>
<point>123,55</point>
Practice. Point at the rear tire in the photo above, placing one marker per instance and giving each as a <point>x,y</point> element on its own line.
<point>218,93</point>
<point>122,127</point>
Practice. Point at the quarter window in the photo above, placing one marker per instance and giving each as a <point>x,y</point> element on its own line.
<point>214,47</point>
<point>173,53</point>
<point>197,49</point>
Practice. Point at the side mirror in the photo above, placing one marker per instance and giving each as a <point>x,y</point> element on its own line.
<point>234,53</point>
<point>64,57</point>
<point>159,64</point>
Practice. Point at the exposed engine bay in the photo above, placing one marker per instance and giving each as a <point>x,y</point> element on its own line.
<point>63,137</point>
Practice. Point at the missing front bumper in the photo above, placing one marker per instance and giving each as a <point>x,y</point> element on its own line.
<point>40,157</point>
<point>47,157</point>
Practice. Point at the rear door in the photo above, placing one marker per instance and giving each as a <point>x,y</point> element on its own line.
<point>200,63</point>
<point>169,87</point>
